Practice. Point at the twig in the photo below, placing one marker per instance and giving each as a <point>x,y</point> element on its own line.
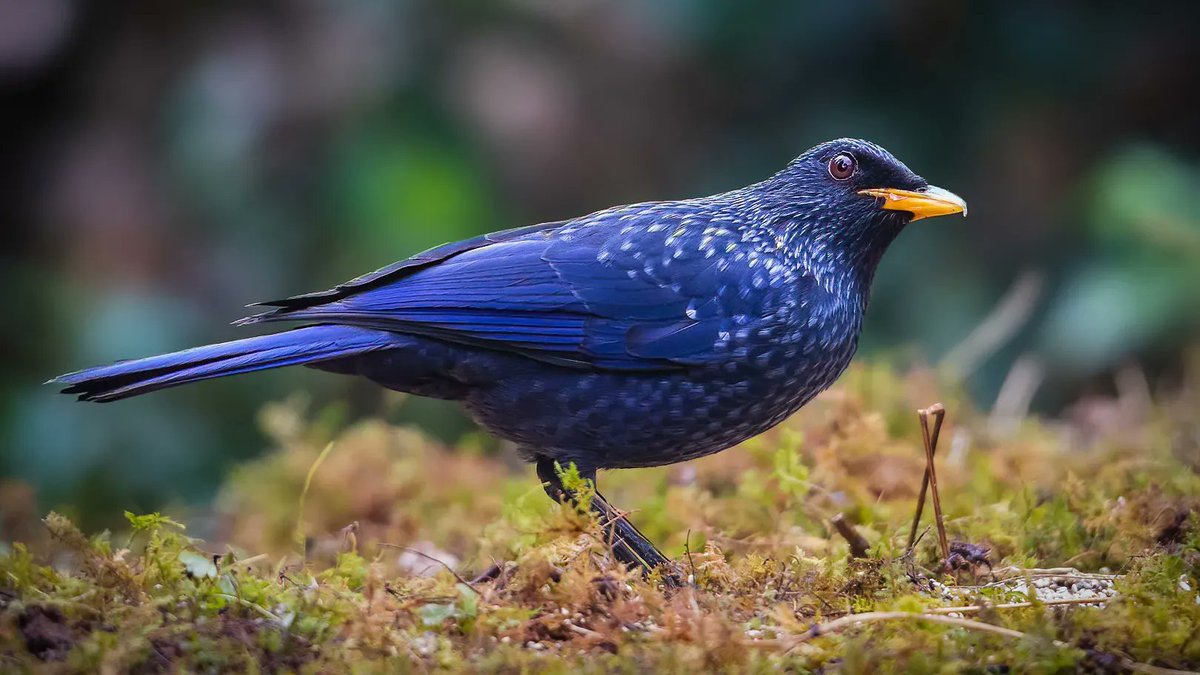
<point>246,603</point>
<point>1009,573</point>
<point>70,602</point>
<point>854,620</point>
<point>858,545</point>
<point>425,555</point>
<point>246,562</point>
<point>970,609</point>
<point>580,630</point>
<point>930,439</point>
<point>912,535</point>
<point>1054,572</point>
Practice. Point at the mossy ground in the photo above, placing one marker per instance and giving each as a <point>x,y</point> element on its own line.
<point>1113,492</point>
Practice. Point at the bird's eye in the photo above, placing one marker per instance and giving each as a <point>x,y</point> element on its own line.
<point>842,166</point>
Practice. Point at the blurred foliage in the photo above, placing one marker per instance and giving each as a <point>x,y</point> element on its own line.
<point>162,165</point>
<point>396,525</point>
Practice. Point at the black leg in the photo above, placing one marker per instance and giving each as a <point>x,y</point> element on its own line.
<point>628,544</point>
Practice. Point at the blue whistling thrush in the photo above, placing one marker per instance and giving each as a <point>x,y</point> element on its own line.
<point>635,336</point>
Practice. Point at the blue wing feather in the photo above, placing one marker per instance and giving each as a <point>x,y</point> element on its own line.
<point>606,292</point>
<point>403,268</point>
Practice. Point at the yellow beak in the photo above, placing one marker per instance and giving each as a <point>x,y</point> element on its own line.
<point>927,203</point>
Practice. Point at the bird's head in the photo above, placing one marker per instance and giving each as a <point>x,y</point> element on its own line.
<point>852,197</point>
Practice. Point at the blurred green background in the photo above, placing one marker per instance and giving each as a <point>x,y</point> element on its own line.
<point>162,164</point>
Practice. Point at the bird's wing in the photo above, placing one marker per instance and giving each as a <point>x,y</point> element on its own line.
<point>646,293</point>
<point>398,270</point>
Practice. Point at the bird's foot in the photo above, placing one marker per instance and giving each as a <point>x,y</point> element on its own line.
<point>629,546</point>
<point>632,548</point>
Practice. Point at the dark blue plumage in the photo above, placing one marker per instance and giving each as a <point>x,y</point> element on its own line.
<point>635,336</point>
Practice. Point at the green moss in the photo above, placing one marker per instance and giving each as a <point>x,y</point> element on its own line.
<point>361,589</point>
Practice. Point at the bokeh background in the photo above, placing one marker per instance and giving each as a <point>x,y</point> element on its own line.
<point>163,164</point>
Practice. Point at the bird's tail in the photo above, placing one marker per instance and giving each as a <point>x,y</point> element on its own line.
<point>309,344</point>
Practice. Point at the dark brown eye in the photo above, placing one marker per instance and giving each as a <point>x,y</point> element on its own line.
<point>842,166</point>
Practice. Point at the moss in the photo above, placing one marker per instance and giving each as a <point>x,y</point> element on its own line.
<point>394,527</point>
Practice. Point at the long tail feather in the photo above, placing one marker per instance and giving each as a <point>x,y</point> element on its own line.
<point>310,344</point>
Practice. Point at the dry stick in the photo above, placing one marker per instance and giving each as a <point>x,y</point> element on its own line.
<point>249,561</point>
<point>966,609</point>
<point>937,429</point>
<point>580,630</point>
<point>912,535</point>
<point>1047,572</point>
<point>938,412</point>
<point>852,620</point>
<point>858,545</point>
<point>246,603</point>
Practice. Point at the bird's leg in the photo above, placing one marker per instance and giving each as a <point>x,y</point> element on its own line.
<point>628,545</point>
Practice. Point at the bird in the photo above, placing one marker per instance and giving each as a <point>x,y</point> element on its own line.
<point>635,336</point>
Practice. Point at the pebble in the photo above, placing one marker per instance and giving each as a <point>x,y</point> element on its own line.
<point>1060,588</point>
<point>425,643</point>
